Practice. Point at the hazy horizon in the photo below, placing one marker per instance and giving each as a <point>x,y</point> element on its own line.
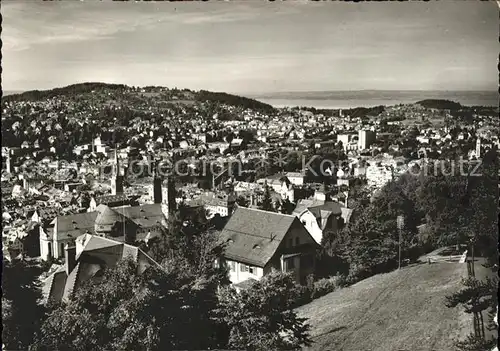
<point>252,47</point>
<point>265,93</point>
<point>366,98</point>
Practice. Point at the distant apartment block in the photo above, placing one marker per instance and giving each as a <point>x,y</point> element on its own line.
<point>349,141</point>
<point>365,139</point>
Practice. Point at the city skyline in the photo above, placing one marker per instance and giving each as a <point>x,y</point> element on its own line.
<point>252,48</point>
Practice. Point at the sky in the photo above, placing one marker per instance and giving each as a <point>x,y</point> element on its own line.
<point>251,46</point>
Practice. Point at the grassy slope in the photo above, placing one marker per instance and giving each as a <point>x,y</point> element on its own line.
<point>401,310</point>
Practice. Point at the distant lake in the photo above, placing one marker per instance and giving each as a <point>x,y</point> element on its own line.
<point>10,92</point>
<point>345,100</point>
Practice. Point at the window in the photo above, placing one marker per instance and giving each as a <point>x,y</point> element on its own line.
<point>246,268</point>
<point>232,266</point>
<point>297,241</point>
<point>290,242</point>
<point>290,263</point>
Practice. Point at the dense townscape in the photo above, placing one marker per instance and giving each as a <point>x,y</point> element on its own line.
<point>135,218</point>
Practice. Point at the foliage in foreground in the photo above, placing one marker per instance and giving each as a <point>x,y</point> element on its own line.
<point>156,310</point>
<point>475,343</point>
<point>22,313</point>
<point>261,318</point>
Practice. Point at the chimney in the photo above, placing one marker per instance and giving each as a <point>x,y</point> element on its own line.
<point>70,257</point>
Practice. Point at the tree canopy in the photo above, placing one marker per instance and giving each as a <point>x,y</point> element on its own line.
<point>22,312</point>
<point>261,318</point>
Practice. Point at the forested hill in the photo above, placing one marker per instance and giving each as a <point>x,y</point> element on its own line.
<point>85,88</point>
<point>233,100</point>
<point>73,89</point>
<point>440,104</point>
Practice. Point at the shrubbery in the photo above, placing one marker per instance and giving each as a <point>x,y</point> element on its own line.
<point>315,289</point>
<point>327,285</point>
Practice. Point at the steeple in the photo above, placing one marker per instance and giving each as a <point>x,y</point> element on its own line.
<point>116,176</point>
<point>163,189</point>
<point>116,164</point>
<point>157,185</point>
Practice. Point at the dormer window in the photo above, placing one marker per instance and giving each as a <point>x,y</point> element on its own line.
<point>256,246</point>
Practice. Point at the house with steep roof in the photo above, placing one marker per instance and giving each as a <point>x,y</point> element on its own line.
<point>281,185</point>
<point>296,178</point>
<point>110,200</point>
<point>319,216</point>
<point>258,242</point>
<point>124,224</point>
<point>215,203</point>
<point>87,260</point>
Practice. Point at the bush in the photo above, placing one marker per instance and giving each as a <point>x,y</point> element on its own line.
<point>303,296</point>
<point>326,285</point>
<point>45,265</point>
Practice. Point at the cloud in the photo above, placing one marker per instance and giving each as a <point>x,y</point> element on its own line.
<point>42,26</point>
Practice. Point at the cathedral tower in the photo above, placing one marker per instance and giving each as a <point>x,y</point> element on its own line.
<point>116,177</point>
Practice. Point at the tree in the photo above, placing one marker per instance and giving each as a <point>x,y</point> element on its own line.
<point>370,244</point>
<point>478,220</point>
<point>476,297</point>
<point>191,243</point>
<point>158,309</point>
<point>287,206</point>
<point>261,318</point>
<point>267,202</point>
<point>242,201</point>
<point>22,313</point>
<point>475,343</point>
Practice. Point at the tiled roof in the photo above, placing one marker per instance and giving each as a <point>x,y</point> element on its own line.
<point>71,282</point>
<point>75,225</point>
<point>320,209</point>
<point>107,199</point>
<point>294,174</point>
<point>107,216</point>
<point>145,216</point>
<point>329,206</point>
<point>56,284</point>
<point>97,254</point>
<point>253,236</point>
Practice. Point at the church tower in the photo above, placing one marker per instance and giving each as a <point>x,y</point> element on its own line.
<point>116,177</point>
<point>170,195</point>
<point>164,191</point>
<point>478,147</point>
<point>8,161</point>
<point>157,186</point>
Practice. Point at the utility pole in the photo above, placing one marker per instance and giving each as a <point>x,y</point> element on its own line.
<point>472,254</point>
<point>400,222</point>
